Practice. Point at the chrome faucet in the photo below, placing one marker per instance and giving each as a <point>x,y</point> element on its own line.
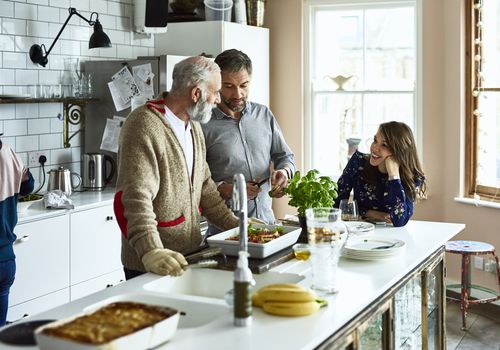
<point>241,208</point>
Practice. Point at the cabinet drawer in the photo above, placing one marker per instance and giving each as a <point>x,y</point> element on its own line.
<point>38,305</point>
<point>95,244</point>
<point>83,289</point>
<point>42,258</point>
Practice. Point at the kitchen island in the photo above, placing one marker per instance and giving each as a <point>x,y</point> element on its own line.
<point>368,296</point>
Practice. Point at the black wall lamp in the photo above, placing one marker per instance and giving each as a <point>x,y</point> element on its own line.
<point>38,53</point>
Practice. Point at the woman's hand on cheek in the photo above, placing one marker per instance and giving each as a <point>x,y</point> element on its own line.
<point>392,166</point>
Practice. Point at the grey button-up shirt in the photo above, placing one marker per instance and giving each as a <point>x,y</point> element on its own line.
<point>247,146</point>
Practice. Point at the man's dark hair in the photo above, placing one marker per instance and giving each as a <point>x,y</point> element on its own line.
<point>233,61</point>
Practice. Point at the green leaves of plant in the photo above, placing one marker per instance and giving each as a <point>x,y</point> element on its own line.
<point>311,191</point>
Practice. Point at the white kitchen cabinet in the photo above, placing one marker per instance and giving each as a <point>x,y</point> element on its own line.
<point>83,289</point>
<point>213,37</point>
<point>38,305</point>
<point>95,244</point>
<point>42,259</point>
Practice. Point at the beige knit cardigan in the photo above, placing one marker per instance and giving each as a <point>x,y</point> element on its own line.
<point>156,204</point>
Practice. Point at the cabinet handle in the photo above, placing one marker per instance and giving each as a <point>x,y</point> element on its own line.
<point>109,285</point>
<point>19,319</point>
<point>22,239</point>
<point>109,218</point>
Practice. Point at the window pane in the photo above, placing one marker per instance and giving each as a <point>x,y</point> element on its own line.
<point>390,49</point>
<point>488,140</point>
<point>491,43</point>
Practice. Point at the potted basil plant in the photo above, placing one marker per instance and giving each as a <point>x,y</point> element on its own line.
<point>310,191</point>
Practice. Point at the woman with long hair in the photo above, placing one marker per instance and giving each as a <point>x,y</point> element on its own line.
<point>389,179</point>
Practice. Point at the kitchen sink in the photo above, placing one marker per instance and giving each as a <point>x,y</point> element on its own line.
<point>211,283</point>
<point>194,313</point>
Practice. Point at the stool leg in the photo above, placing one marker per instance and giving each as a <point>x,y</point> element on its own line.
<point>498,271</point>
<point>464,297</point>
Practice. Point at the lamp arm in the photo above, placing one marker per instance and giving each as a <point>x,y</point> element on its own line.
<point>72,11</point>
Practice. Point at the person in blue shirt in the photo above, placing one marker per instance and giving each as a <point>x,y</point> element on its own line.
<point>15,180</point>
<point>388,180</point>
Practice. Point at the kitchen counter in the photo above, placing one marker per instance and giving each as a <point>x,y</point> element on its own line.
<point>81,200</point>
<point>361,284</point>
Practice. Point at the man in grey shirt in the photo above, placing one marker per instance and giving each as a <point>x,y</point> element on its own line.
<point>244,137</point>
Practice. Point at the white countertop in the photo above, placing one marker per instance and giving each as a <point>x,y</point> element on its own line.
<point>361,283</point>
<point>81,200</point>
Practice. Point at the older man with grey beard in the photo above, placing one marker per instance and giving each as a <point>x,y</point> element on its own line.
<point>164,182</point>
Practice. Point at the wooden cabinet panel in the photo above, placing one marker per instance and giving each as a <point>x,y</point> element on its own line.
<point>42,258</point>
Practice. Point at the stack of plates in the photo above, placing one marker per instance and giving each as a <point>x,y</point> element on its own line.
<point>359,228</point>
<point>366,248</point>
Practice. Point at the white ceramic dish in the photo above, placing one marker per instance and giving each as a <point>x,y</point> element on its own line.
<point>256,250</point>
<point>359,227</point>
<point>365,248</point>
<point>145,338</point>
<point>23,206</point>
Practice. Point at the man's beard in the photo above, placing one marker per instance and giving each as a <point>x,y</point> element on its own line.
<point>233,107</point>
<point>201,111</point>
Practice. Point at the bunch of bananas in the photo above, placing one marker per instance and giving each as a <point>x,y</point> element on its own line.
<point>287,299</point>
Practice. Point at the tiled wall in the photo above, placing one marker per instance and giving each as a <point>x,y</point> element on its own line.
<point>34,127</point>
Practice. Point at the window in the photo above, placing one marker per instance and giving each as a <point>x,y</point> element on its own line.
<point>483,98</point>
<point>361,72</point>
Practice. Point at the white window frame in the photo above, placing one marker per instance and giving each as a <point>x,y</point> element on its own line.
<point>309,8</point>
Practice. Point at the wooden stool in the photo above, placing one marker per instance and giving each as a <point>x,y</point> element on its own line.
<point>466,249</point>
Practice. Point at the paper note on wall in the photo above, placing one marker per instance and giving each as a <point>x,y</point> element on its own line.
<point>120,105</point>
<point>144,79</point>
<point>125,84</point>
<point>111,135</point>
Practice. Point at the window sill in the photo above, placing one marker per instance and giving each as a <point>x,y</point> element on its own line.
<point>477,202</point>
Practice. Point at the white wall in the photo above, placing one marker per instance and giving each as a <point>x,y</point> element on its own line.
<point>32,127</point>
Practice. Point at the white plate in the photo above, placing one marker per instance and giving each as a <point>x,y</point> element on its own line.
<point>363,248</point>
<point>256,250</point>
<point>359,227</point>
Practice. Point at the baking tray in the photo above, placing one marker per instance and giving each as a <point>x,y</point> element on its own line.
<point>145,338</point>
<point>256,250</point>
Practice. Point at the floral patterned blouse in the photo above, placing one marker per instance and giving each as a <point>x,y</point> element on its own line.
<point>386,195</point>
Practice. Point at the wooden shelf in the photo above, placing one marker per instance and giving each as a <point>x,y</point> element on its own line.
<point>73,111</point>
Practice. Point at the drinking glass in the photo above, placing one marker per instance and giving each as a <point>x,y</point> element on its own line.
<point>349,210</point>
<point>327,236</point>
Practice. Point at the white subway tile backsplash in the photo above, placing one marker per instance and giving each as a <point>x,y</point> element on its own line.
<point>6,9</point>
<point>14,60</point>
<point>59,3</point>
<point>7,76</point>
<point>48,14</point>
<point>50,110</point>
<point>26,77</point>
<point>7,111</point>
<point>27,143</point>
<point>26,110</point>
<point>13,26</point>
<point>51,141</point>
<point>61,155</point>
<point>49,77</point>
<point>56,125</point>
<point>36,28</point>
<point>26,22</point>
<point>115,9</point>
<point>100,6</point>
<point>81,5</point>
<point>15,127</point>
<point>26,11</point>
<point>38,126</point>
<point>7,42</point>
<point>70,47</point>
<point>38,2</point>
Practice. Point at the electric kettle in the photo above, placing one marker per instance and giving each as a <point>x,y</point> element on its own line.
<point>62,179</point>
<point>95,171</point>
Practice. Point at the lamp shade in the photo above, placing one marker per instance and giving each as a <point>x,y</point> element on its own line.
<point>99,38</point>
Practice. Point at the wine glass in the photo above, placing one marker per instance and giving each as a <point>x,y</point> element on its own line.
<point>349,210</point>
